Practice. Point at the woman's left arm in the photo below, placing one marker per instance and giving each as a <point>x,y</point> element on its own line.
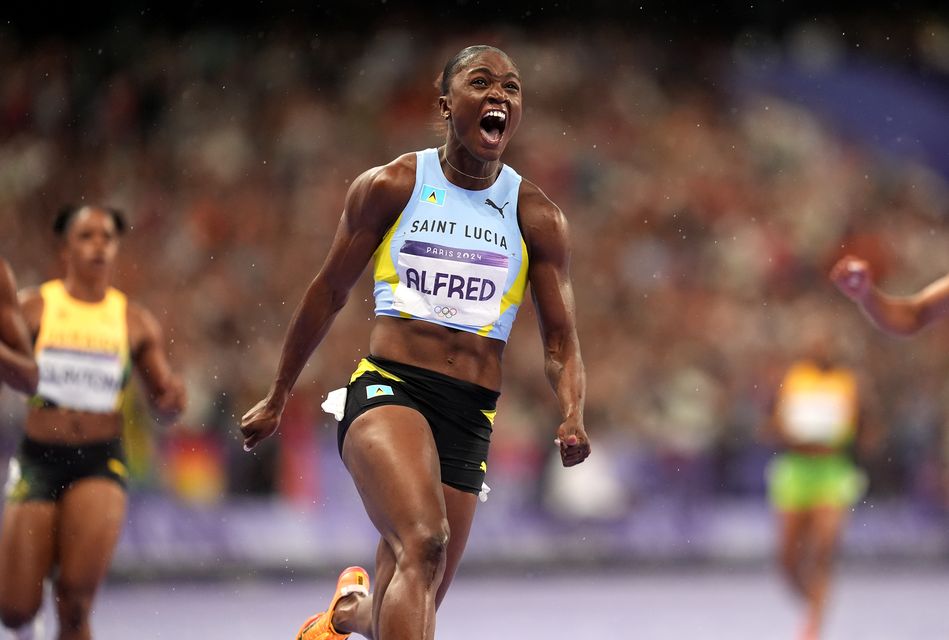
<point>546,235</point>
<point>166,392</point>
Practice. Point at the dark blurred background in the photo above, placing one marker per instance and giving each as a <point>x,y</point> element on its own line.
<point>713,162</point>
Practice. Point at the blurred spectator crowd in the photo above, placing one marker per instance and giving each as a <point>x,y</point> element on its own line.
<point>704,218</point>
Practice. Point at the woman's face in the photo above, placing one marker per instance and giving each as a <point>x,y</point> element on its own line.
<point>484,104</point>
<point>92,242</point>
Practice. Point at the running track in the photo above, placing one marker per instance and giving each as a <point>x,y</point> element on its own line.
<point>868,604</point>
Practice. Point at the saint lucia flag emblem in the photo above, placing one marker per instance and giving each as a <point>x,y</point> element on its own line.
<point>374,390</point>
<point>432,195</point>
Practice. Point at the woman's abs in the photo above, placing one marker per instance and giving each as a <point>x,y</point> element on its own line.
<point>65,426</point>
<point>458,354</point>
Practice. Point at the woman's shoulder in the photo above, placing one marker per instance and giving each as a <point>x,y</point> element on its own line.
<point>542,223</point>
<point>394,174</point>
<point>385,186</point>
<point>34,294</point>
<point>534,205</point>
<point>143,326</point>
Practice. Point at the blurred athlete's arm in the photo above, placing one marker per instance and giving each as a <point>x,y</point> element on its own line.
<point>548,248</point>
<point>372,204</point>
<point>870,435</point>
<point>17,367</point>
<point>166,391</point>
<point>900,316</point>
<point>771,431</point>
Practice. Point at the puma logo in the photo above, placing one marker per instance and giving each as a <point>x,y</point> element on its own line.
<point>500,209</point>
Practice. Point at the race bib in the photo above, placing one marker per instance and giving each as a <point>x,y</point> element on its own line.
<point>80,380</point>
<point>816,418</point>
<point>460,286</point>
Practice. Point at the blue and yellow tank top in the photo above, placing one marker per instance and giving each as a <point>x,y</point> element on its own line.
<point>454,257</point>
<point>82,350</point>
<point>818,406</point>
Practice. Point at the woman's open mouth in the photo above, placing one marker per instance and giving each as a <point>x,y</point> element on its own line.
<point>492,126</point>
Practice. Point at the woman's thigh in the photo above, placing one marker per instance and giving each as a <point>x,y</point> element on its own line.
<point>92,512</point>
<point>391,456</point>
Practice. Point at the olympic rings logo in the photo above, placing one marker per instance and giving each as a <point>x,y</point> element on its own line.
<point>445,312</point>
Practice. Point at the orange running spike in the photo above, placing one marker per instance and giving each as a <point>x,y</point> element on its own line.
<point>320,626</point>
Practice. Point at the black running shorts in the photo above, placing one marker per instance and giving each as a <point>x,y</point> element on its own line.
<point>42,471</point>
<point>459,413</point>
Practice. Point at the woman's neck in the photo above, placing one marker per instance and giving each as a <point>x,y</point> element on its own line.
<point>466,169</point>
<point>86,290</point>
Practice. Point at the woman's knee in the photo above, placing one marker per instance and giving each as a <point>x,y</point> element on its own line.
<point>16,614</point>
<point>824,554</point>
<point>425,548</point>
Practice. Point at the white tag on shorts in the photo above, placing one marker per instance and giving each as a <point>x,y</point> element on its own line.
<point>335,403</point>
<point>13,477</point>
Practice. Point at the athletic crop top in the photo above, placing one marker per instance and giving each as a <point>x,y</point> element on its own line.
<point>82,351</point>
<point>817,406</point>
<point>454,257</point>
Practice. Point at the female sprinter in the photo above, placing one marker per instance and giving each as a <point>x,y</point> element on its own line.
<point>65,501</point>
<point>454,236</point>
<point>819,420</point>
<point>896,316</point>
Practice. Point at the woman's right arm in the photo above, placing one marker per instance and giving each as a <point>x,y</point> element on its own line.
<point>374,201</point>
<point>901,316</point>
<point>17,367</point>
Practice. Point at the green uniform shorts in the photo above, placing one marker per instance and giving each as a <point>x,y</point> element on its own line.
<point>798,482</point>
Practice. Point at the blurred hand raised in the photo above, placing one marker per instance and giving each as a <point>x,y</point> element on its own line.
<point>852,276</point>
<point>172,399</point>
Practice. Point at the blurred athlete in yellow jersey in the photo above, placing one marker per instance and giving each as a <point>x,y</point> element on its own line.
<point>65,492</point>
<point>813,481</point>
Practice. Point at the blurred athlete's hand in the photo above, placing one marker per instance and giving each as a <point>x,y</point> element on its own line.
<point>260,422</point>
<point>171,399</point>
<point>852,277</point>
<point>573,442</point>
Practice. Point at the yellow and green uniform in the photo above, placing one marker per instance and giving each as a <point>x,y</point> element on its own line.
<point>82,351</point>
<point>816,407</point>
